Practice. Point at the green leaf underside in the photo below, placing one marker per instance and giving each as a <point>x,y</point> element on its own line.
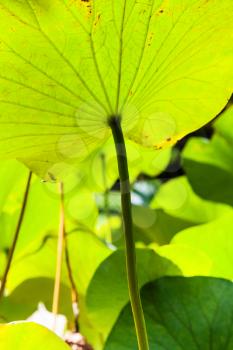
<point>67,66</point>
<point>181,313</point>
<point>27,336</point>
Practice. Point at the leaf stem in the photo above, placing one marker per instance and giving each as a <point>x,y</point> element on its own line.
<point>16,236</point>
<point>134,293</point>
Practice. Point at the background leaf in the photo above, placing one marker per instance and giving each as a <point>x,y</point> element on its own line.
<point>108,293</point>
<point>209,164</point>
<point>177,198</point>
<point>215,241</point>
<point>181,313</point>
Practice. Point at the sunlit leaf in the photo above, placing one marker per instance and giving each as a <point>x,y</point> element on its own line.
<point>67,66</point>
<point>213,239</point>
<point>28,336</point>
<point>190,260</point>
<point>177,198</point>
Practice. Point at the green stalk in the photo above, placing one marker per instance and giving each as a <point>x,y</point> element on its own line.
<point>134,293</point>
<point>16,236</point>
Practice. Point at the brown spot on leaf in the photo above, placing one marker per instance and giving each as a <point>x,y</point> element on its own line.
<point>84,4</point>
<point>159,12</point>
<point>150,39</point>
<point>98,17</point>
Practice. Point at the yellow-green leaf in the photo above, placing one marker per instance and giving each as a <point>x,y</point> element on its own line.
<point>29,336</point>
<point>165,67</point>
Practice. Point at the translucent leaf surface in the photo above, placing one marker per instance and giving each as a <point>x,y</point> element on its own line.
<point>66,66</point>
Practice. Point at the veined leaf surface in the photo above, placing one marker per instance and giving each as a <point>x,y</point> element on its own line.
<point>181,313</point>
<point>66,66</point>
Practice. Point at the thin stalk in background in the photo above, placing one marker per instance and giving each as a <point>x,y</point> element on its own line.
<point>134,293</point>
<point>74,291</point>
<point>16,237</point>
<point>60,249</point>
